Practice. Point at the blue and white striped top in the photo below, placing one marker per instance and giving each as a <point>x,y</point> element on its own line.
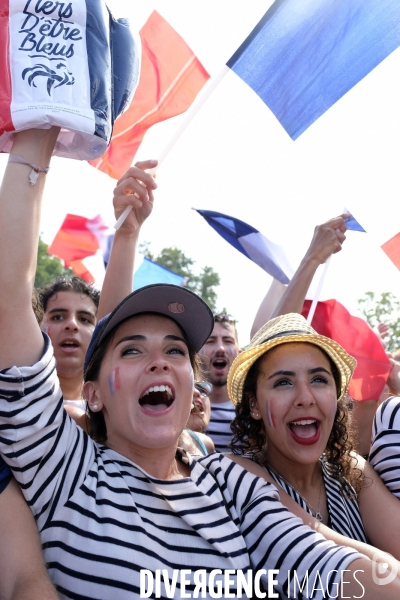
<point>102,519</point>
<point>384,455</point>
<point>344,513</point>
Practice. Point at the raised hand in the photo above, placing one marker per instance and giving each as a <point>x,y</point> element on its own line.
<point>135,188</point>
<point>328,239</point>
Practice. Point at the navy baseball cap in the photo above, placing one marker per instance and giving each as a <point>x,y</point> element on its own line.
<point>184,307</point>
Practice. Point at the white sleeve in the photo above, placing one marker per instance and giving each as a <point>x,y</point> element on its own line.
<point>385,448</point>
<point>47,452</point>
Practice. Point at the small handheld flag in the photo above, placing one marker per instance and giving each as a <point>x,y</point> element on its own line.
<point>79,238</point>
<point>250,242</point>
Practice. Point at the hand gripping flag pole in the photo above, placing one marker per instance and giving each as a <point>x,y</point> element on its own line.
<point>192,112</point>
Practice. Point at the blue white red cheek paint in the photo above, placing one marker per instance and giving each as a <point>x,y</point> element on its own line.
<point>113,381</point>
<point>270,416</point>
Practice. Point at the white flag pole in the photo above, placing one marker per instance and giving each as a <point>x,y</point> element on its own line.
<point>318,292</point>
<point>191,113</point>
<point>321,282</point>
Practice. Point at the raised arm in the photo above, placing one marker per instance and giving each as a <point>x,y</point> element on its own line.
<point>23,574</point>
<point>20,205</point>
<point>135,188</point>
<point>268,305</point>
<point>328,239</point>
<point>37,439</point>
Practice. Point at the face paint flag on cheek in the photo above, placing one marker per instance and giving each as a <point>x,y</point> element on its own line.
<point>68,64</point>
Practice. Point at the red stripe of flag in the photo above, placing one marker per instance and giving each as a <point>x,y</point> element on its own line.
<point>357,338</point>
<point>6,123</point>
<point>392,249</point>
<point>73,242</point>
<point>171,77</point>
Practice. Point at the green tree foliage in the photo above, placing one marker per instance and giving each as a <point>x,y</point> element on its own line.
<point>48,267</point>
<point>383,308</point>
<point>175,260</point>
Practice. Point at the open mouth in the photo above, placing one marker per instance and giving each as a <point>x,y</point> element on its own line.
<point>198,406</point>
<point>219,363</point>
<point>157,398</point>
<point>305,431</point>
<point>69,345</point>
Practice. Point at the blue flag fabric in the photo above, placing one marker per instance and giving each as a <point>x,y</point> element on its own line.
<point>304,55</point>
<point>250,242</point>
<point>150,272</point>
<point>353,225</point>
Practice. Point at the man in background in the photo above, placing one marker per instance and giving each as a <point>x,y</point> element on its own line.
<point>218,353</point>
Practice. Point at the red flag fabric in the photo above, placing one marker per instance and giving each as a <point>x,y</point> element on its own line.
<point>357,338</point>
<point>78,238</point>
<point>171,77</point>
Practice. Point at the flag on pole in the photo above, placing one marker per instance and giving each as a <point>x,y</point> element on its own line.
<point>171,77</point>
<point>359,340</point>
<point>150,272</point>
<point>302,57</point>
<point>79,238</point>
<point>250,242</point>
<point>352,224</point>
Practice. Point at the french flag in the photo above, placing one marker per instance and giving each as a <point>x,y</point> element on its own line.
<point>333,320</point>
<point>250,242</point>
<point>84,246</point>
<point>303,56</point>
<point>69,64</point>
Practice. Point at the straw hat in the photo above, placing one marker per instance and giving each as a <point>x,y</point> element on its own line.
<point>287,328</point>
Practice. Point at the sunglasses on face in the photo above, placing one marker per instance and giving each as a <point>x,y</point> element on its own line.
<point>203,387</point>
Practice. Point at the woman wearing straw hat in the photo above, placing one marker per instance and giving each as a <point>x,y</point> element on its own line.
<point>288,386</point>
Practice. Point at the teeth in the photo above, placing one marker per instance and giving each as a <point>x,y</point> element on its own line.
<point>159,388</point>
<point>304,422</point>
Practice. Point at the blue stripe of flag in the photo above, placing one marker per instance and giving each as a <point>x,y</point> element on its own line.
<point>250,242</point>
<point>304,55</point>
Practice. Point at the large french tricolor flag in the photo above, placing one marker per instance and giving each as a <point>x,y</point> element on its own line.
<point>171,76</point>
<point>250,242</point>
<point>304,55</point>
<point>69,64</point>
<point>333,320</point>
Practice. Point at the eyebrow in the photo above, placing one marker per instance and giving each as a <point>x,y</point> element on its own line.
<point>141,338</point>
<point>65,310</point>
<point>293,374</point>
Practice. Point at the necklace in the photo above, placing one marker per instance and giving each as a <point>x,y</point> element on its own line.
<point>315,513</point>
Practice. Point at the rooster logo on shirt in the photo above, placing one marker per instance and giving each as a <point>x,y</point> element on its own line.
<point>62,77</point>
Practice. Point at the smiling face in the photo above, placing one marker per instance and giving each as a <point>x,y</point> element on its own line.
<point>69,321</point>
<point>219,352</point>
<point>145,385</point>
<point>296,399</point>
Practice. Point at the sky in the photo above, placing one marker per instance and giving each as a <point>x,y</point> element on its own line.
<point>236,158</point>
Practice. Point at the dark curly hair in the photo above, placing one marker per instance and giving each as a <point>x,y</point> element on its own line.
<point>67,284</point>
<point>95,423</point>
<point>249,435</point>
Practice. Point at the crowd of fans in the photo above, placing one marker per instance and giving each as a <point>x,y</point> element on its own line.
<point>141,438</point>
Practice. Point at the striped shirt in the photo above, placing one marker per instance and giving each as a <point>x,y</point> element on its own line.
<point>219,427</point>
<point>102,519</point>
<point>5,475</point>
<point>344,513</point>
<point>385,448</point>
